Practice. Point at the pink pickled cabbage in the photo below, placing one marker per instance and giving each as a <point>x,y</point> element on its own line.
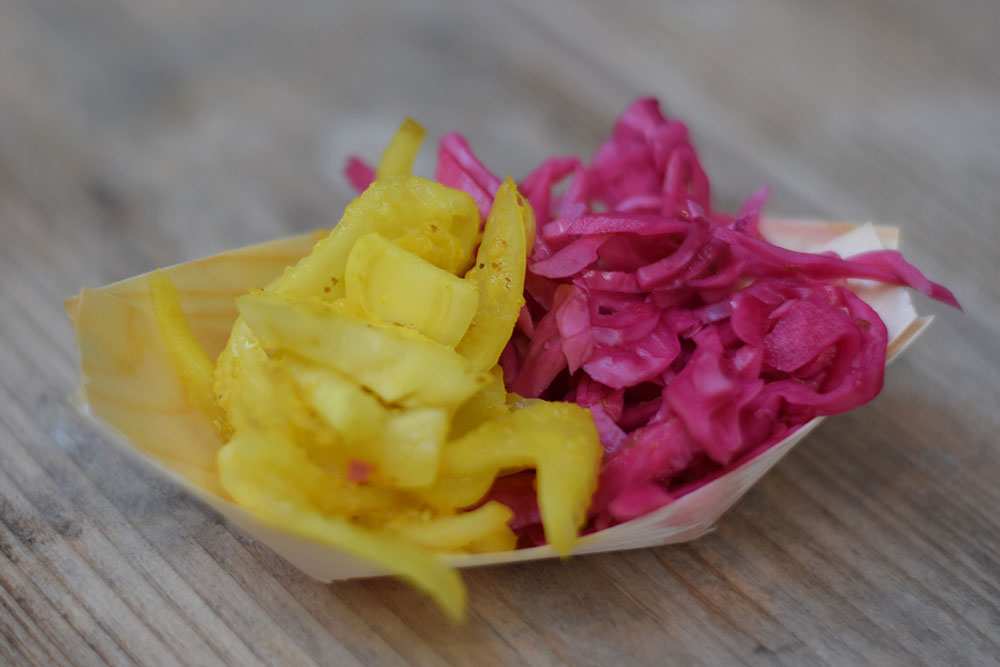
<point>359,174</point>
<point>459,168</point>
<point>692,340</point>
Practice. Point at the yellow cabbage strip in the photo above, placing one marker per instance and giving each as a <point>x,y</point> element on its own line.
<point>488,403</point>
<point>402,447</point>
<point>353,413</point>
<point>279,496</point>
<point>399,287</point>
<point>435,222</point>
<point>499,275</point>
<point>454,532</point>
<point>559,440</point>
<point>400,365</point>
<point>194,367</point>
<point>397,160</point>
<point>501,539</point>
<point>448,494</point>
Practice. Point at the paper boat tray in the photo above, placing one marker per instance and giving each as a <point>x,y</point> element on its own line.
<point>130,391</point>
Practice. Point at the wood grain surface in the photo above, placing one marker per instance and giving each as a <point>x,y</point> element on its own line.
<point>140,133</point>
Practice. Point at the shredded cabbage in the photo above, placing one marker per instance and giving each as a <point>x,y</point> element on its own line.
<point>692,340</point>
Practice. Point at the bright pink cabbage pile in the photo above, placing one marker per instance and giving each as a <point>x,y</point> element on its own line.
<point>693,341</point>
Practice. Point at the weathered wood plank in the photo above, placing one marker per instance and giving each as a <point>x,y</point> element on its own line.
<point>137,134</point>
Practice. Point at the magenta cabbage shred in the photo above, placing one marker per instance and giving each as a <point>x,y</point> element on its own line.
<point>694,342</point>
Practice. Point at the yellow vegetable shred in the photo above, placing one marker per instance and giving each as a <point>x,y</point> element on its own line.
<point>397,160</point>
<point>558,440</point>
<point>359,393</point>
<point>499,276</point>
<point>382,278</point>
<point>194,366</point>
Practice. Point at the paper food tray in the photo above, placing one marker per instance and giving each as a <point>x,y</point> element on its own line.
<point>130,392</point>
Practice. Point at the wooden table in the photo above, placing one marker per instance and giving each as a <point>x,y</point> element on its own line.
<point>143,133</point>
